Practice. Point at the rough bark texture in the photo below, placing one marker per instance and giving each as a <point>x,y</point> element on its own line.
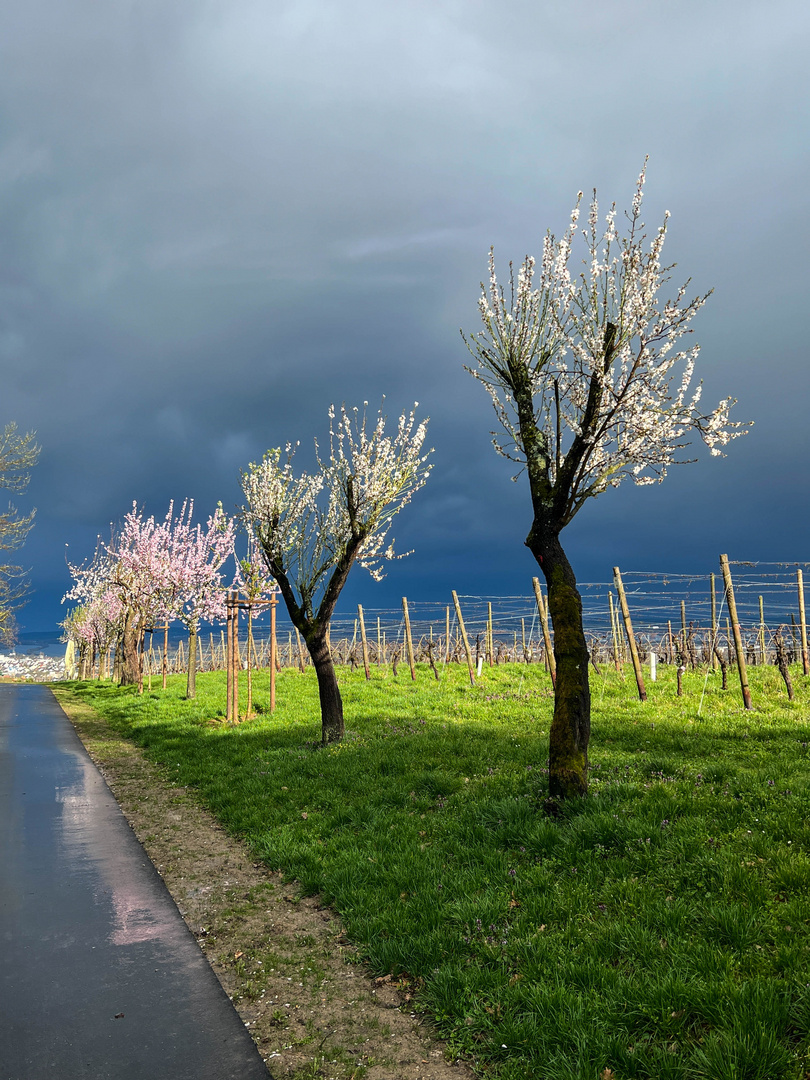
<point>571,723</point>
<point>332,726</point>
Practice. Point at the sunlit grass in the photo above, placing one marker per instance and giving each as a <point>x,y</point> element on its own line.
<point>660,928</point>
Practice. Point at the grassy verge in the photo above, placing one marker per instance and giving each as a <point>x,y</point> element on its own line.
<point>660,929</point>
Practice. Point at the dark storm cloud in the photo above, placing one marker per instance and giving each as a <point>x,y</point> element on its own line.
<point>216,218</point>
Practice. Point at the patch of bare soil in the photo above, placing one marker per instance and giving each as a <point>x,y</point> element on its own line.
<point>285,962</point>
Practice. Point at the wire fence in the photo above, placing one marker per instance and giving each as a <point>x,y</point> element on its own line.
<point>682,618</point>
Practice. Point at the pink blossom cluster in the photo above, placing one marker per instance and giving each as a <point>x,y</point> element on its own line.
<point>152,572</point>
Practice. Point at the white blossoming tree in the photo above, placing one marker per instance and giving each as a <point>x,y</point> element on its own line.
<point>589,384</point>
<point>312,528</point>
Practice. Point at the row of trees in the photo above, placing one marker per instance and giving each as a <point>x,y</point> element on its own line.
<point>590,388</point>
<point>151,573</point>
<point>304,533</point>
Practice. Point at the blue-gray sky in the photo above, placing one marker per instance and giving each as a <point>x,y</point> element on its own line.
<point>218,217</point>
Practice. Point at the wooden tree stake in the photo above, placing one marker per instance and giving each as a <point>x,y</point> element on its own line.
<point>631,638</point>
<point>543,612</point>
<point>463,630</point>
<point>714,624</point>
<point>363,640</point>
<point>614,630</point>
<point>229,658</point>
<point>803,624</point>
<point>408,639</point>
<point>763,659</point>
<point>273,651</point>
<point>735,626</point>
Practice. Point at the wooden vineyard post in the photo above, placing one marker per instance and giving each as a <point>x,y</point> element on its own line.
<point>543,612</point>
<point>614,630</point>
<point>213,653</point>
<point>273,651</point>
<point>408,639</point>
<point>735,626</point>
<point>803,624</point>
<point>714,625</point>
<point>447,634</point>
<point>301,661</point>
<point>685,652</point>
<point>762,657</point>
<point>489,648</point>
<point>464,638</point>
<point>165,653</point>
<point>363,640</point>
<point>379,643</point>
<point>235,657</point>
<point>631,638</point>
<point>523,640</point>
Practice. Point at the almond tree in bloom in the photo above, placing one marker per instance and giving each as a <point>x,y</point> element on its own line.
<point>139,565</point>
<point>257,586</point>
<point>194,557</point>
<point>94,627</point>
<point>99,621</point>
<point>591,387</point>
<point>312,528</point>
<point>153,572</point>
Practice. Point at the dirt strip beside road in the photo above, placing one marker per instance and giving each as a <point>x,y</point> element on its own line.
<point>312,1009</point>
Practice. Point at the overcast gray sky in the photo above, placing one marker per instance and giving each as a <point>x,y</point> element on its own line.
<point>218,217</point>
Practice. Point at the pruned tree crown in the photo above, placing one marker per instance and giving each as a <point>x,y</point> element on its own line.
<point>590,362</point>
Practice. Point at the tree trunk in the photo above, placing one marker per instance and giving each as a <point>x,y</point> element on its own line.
<point>129,654</point>
<point>332,726</point>
<point>571,724</point>
<point>191,683</point>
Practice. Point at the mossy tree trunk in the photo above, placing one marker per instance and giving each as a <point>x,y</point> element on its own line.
<point>314,628</point>
<point>332,724</point>
<point>553,485</point>
<point>571,722</point>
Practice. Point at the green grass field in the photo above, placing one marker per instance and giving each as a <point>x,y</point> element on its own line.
<point>660,928</point>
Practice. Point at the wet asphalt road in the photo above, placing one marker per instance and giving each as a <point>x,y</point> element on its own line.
<point>100,979</point>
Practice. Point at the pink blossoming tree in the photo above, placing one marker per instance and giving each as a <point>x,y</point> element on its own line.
<point>154,572</point>
<point>591,389</point>
<point>195,591</point>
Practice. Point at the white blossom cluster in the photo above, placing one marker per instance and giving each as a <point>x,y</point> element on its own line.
<point>598,351</point>
<point>309,524</point>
